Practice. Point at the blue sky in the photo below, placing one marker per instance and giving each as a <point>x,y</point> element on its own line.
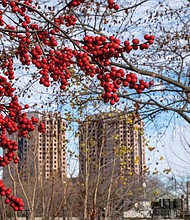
<point>172,145</point>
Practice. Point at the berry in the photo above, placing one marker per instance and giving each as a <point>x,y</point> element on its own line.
<point>151,83</point>
<point>135,41</point>
<point>116,6</point>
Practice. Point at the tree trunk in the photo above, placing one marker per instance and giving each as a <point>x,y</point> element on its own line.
<point>86,178</point>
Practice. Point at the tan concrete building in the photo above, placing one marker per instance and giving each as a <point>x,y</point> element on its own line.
<point>112,144</point>
<point>43,154</point>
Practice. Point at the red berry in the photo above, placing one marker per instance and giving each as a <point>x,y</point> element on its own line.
<point>116,6</point>
<point>26,106</point>
<point>139,91</point>
<point>135,41</point>
<point>151,83</point>
<point>7,201</point>
<point>112,102</point>
<point>125,83</point>
<point>150,41</point>
<point>2,193</point>
<point>151,37</point>
<point>146,36</point>
<point>110,2</point>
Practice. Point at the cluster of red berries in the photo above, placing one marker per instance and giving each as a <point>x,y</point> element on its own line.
<point>46,37</point>
<point>136,44</point>
<point>55,65</point>
<point>101,51</point>
<point>83,61</point>
<point>70,20</point>
<point>59,21</point>
<point>111,82</point>
<point>10,124</point>
<point>2,23</point>
<point>22,50</point>
<point>16,203</point>
<point>15,6</point>
<point>75,3</point>
<point>25,125</point>
<point>41,127</point>
<point>149,38</point>
<point>15,120</point>
<point>6,88</point>
<point>112,5</point>
<point>12,120</point>
<point>10,71</point>
<point>9,156</point>
<point>6,143</point>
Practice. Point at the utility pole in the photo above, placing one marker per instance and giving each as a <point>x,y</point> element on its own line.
<point>27,214</point>
<point>64,214</point>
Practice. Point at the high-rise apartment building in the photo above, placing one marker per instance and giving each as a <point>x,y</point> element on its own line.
<point>43,154</point>
<point>112,144</point>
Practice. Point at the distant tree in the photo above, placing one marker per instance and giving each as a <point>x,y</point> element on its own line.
<point>112,167</point>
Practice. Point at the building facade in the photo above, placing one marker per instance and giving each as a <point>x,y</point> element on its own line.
<point>112,145</point>
<point>43,154</point>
